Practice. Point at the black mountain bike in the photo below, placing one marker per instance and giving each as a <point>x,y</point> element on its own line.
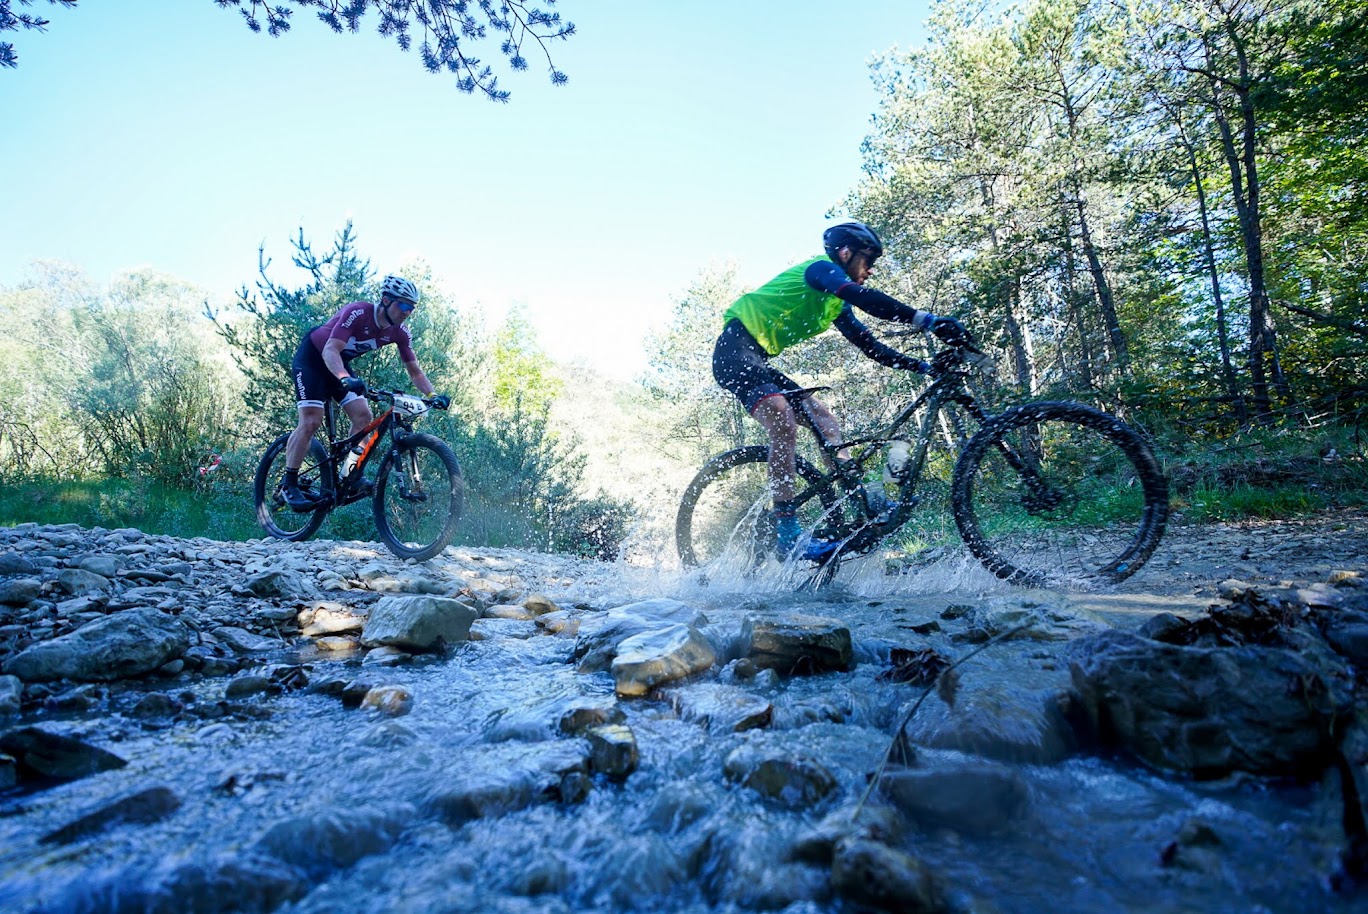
<point>417,494</point>
<point>1043,494</point>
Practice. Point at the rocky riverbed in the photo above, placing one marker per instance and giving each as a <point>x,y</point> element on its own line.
<point>197,726</point>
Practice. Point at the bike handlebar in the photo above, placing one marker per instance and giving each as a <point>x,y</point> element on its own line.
<point>387,396</point>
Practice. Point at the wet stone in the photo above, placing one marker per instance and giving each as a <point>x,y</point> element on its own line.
<point>142,808</point>
<point>583,713</point>
<point>539,605</point>
<point>654,658</point>
<point>20,591</point>
<point>11,695</point>
<point>489,794</point>
<point>390,700</point>
<point>44,754</point>
<point>613,750</point>
<point>887,879</point>
<point>354,692</point>
<point>417,623</point>
<point>118,646</point>
<point>243,641</point>
<point>157,704</point>
<point>106,566</point>
<point>322,619</point>
<point>282,582</point>
<point>244,686</point>
<point>798,644</point>
<point>722,708</point>
<point>508,611</point>
<point>13,563</point>
<point>386,656</point>
<point>78,582</point>
<point>792,780</point>
<point>559,623</point>
<point>332,839</point>
<point>977,798</point>
<point>337,644</point>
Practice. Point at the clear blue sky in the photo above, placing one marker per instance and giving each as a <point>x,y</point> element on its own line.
<point>163,133</point>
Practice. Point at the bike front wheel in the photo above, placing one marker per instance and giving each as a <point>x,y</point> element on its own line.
<point>725,511</point>
<point>1059,494</point>
<point>419,494</point>
<point>315,478</point>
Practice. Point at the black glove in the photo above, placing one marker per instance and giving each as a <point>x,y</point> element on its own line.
<point>949,330</point>
<point>441,401</point>
<point>354,385</point>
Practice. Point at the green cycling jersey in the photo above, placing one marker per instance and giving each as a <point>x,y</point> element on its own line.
<point>786,310</point>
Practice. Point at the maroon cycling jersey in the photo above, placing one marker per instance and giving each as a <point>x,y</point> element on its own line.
<point>357,325</point>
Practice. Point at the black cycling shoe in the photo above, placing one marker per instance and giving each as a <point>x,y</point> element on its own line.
<point>297,499</point>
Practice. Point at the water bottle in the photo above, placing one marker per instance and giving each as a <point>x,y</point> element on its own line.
<point>895,466</point>
<point>349,462</point>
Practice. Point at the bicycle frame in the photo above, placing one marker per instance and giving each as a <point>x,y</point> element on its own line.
<point>368,437</point>
<point>948,387</point>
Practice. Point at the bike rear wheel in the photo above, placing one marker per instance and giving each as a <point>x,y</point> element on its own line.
<point>315,477</point>
<point>419,495</point>
<point>1059,494</point>
<point>725,512</point>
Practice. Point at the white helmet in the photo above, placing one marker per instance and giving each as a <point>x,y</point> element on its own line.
<point>400,288</point>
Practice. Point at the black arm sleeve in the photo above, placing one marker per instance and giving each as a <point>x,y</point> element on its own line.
<point>860,335</point>
<point>825,275</point>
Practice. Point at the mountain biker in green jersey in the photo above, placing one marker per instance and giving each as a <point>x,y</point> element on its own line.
<point>796,305</point>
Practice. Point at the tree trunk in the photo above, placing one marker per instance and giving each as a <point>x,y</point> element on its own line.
<point>1232,383</point>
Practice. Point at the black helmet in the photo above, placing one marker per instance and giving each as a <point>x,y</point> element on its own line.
<point>855,235</point>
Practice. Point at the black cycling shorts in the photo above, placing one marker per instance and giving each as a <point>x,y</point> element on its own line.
<point>742,366</point>
<point>314,384</point>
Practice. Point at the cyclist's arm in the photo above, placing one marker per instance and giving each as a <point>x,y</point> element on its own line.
<point>828,277</point>
<point>332,358</point>
<point>419,379</point>
<point>404,340</point>
<point>862,337</point>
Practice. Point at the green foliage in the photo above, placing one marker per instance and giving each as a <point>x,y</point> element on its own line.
<point>519,378</point>
<point>11,21</point>
<point>217,510</point>
<point>700,418</point>
<point>119,382</point>
<point>449,27</point>
<point>264,332</point>
<point>521,477</point>
<point>450,31</point>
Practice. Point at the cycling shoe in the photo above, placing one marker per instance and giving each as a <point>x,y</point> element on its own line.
<point>297,498</point>
<point>787,538</point>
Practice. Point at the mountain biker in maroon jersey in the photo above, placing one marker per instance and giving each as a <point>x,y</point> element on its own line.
<point>796,305</point>
<point>322,369</point>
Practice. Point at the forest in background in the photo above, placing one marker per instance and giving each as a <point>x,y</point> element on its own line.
<point>1156,207</point>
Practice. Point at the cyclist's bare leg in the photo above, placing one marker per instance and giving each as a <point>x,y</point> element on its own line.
<point>310,418</point>
<point>814,414</point>
<point>776,416</point>
<point>359,412</point>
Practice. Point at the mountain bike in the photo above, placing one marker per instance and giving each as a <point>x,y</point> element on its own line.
<point>418,491</point>
<point>1043,494</point>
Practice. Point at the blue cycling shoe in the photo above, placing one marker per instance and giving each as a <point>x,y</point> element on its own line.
<point>879,505</point>
<point>787,536</point>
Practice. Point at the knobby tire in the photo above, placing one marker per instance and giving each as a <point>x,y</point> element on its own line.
<point>277,518</point>
<point>725,510</point>
<point>1087,504</point>
<point>419,495</point>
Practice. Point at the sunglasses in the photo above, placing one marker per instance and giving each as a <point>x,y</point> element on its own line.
<point>404,306</point>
